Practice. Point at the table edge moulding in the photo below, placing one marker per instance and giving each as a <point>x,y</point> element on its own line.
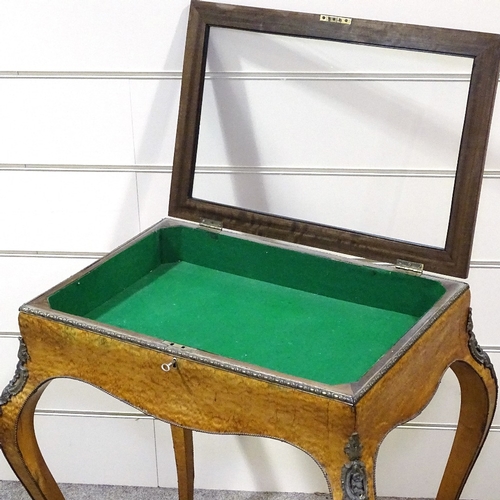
<point>334,351</point>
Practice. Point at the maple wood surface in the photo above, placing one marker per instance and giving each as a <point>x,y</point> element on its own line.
<point>194,396</point>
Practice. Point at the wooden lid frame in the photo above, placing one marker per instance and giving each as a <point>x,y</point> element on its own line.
<point>483,48</point>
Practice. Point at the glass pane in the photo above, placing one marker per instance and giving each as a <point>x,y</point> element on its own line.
<point>351,136</point>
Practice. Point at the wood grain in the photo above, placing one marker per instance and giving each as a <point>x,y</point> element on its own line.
<point>484,48</point>
<point>194,396</point>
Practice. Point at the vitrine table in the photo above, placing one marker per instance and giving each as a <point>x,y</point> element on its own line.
<point>275,352</point>
<point>248,323</point>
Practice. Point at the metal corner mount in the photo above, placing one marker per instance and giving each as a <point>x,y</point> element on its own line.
<point>354,479</point>
<point>475,349</point>
<point>15,386</point>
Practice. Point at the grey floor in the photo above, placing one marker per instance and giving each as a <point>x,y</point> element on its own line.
<point>12,490</point>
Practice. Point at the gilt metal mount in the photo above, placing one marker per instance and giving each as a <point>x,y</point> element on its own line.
<point>15,386</point>
<point>354,478</point>
<point>475,349</point>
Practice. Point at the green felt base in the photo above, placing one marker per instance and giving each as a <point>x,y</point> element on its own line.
<point>294,313</point>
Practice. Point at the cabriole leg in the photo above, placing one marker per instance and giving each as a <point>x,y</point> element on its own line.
<point>478,398</point>
<point>20,447</point>
<point>183,450</point>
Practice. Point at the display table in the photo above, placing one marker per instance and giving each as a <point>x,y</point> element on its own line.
<point>238,325</point>
<point>264,341</point>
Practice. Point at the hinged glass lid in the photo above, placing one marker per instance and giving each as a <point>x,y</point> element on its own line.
<point>362,137</point>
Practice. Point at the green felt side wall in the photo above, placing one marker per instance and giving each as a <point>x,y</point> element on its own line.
<point>110,278</point>
<point>353,283</point>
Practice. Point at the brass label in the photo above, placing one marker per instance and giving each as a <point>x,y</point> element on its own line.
<point>335,19</point>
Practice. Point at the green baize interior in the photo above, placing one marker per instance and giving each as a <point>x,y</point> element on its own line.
<point>298,314</point>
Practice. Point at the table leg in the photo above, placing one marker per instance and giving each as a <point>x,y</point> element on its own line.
<point>478,399</point>
<point>354,479</point>
<point>20,447</point>
<point>183,450</point>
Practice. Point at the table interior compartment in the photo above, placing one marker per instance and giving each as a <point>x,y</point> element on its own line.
<point>292,312</point>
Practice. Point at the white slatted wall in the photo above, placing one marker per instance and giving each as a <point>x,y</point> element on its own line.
<point>88,97</point>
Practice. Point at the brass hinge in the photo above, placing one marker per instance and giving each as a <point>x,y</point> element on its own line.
<point>211,225</point>
<point>409,267</point>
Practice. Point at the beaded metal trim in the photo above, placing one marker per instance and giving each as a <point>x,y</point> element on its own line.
<point>187,353</point>
<point>354,391</point>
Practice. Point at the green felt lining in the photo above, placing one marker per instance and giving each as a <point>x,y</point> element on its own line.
<point>295,313</point>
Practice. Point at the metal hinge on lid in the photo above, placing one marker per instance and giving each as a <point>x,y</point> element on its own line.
<point>211,225</point>
<point>409,267</point>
